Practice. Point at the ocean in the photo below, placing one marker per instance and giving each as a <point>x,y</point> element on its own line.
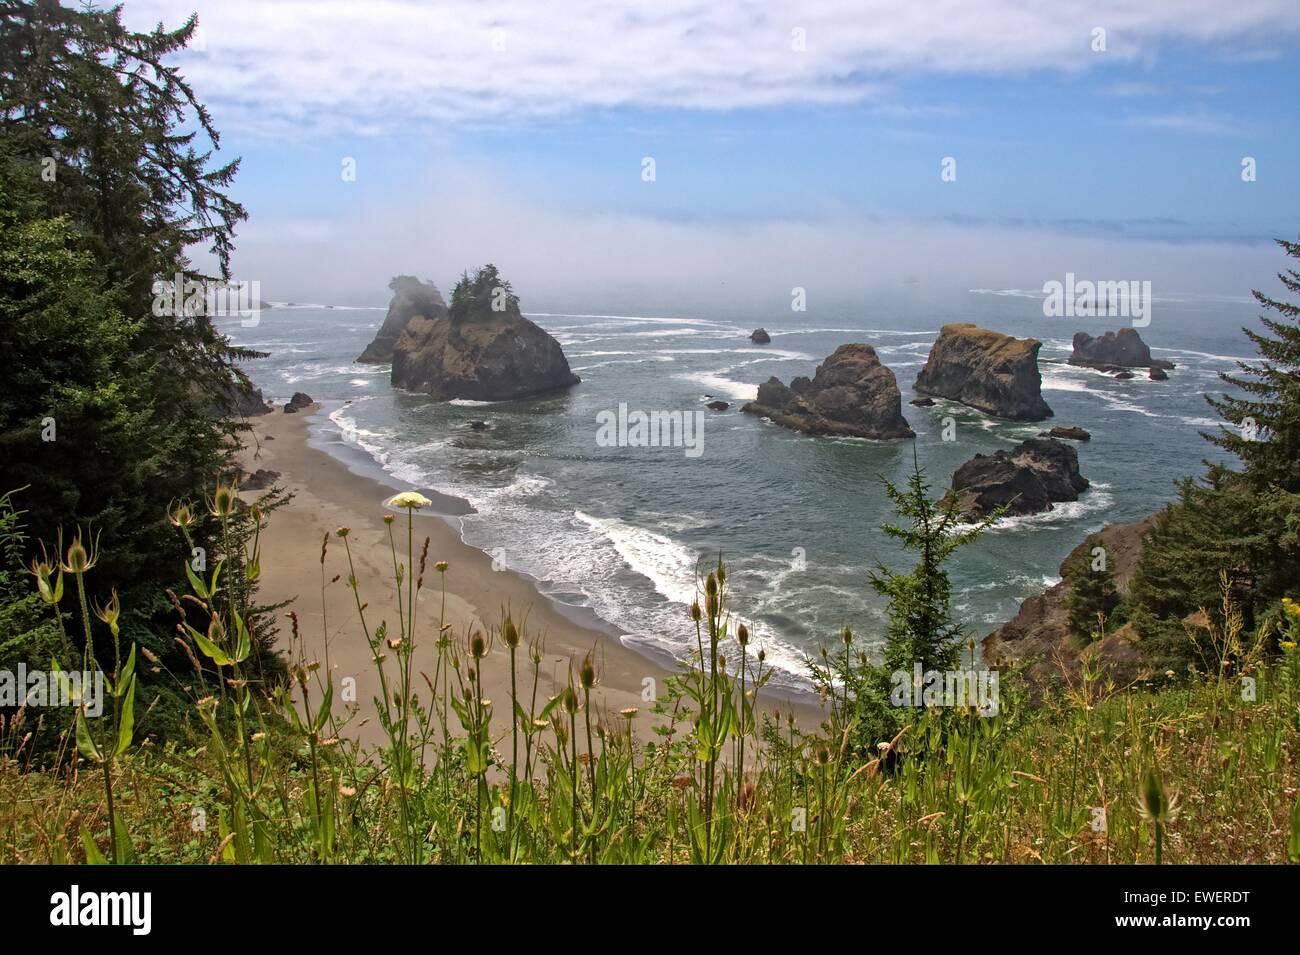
<point>622,531</point>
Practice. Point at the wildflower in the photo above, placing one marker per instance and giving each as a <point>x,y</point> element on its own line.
<point>1154,803</point>
<point>388,518</point>
<point>347,791</point>
<point>628,712</point>
<point>51,593</point>
<point>222,503</point>
<point>742,635</point>
<point>412,500</point>
<point>179,514</point>
<point>761,655</point>
<point>78,560</point>
<point>440,566</point>
<point>342,532</point>
<point>110,612</point>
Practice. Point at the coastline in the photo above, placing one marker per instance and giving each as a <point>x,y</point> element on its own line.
<point>328,493</point>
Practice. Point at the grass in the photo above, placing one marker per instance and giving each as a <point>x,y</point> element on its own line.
<point>1193,772</point>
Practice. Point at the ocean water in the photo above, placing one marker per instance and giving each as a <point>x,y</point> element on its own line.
<point>622,530</point>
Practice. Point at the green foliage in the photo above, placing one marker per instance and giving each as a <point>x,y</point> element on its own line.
<point>483,296</point>
<point>1245,524</point>
<point>1092,599</point>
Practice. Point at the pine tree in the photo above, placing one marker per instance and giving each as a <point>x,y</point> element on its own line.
<point>921,628</point>
<point>1267,419</point>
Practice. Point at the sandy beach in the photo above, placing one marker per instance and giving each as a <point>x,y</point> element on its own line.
<point>328,495</point>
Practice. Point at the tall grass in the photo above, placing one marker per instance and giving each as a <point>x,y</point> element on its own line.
<point>1194,771</point>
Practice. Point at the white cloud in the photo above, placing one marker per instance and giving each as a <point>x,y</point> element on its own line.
<point>462,219</point>
<point>331,65</point>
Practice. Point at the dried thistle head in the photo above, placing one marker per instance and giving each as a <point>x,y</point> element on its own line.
<point>221,504</point>
<point>509,633</point>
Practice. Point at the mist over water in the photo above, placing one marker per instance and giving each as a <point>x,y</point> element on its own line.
<point>622,530</point>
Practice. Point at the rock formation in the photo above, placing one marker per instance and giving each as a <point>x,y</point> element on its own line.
<point>259,480</point>
<point>1158,374</point>
<point>1031,477</point>
<point>1122,349</point>
<point>1073,434</point>
<point>411,297</point>
<point>718,405</point>
<point>1039,634</point>
<point>922,402</point>
<point>851,395</point>
<point>759,336</point>
<point>989,371</point>
<point>298,402</point>
<point>484,349</point>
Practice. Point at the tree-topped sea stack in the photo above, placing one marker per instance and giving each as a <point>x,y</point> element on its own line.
<point>989,371</point>
<point>411,297</point>
<point>483,349</point>
<point>852,395</point>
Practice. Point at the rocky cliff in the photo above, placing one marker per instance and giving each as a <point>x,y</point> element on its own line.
<point>989,371</point>
<point>851,395</point>
<point>1039,635</point>
<point>1122,349</point>
<point>1030,478</point>
<point>411,297</point>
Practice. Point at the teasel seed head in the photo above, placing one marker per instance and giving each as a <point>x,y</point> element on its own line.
<point>847,636</point>
<point>222,503</point>
<point>509,634</point>
<point>695,611</point>
<point>587,673</point>
<point>742,635</point>
<point>477,646</point>
<point>179,514</point>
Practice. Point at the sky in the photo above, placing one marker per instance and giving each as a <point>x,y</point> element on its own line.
<point>841,147</point>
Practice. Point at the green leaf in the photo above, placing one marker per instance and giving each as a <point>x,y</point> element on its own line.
<point>196,582</point>
<point>126,726</point>
<point>243,643</point>
<point>93,855</point>
<point>85,742</point>
<point>122,841</point>
<point>323,713</point>
<point>210,649</point>
<point>128,670</point>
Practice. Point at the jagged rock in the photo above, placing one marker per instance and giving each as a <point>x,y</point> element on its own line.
<point>852,395</point>
<point>479,426</point>
<point>1114,350</point>
<point>1158,374</point>
<point>922,402</point>
<point>298,402</point>
<point>411,297</point>
<point>1073,434</point>
<point>1039,635</point>
<point>1123,375</point>
<point>718,405</point>
<point>759,336</point>
<point>259,480</point>
<point>986,370</point>
<point>1031,477</point>
<point>484,350</point>
<point>241,401</point>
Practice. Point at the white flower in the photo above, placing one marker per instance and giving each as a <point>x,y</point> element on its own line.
<point>410,499</point>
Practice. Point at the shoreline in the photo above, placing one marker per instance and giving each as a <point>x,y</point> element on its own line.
<point>330,491</point>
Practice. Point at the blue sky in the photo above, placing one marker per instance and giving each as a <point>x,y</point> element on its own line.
<point>465,115</point>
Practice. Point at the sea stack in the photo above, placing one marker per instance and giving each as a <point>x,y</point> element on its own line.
<point>851,395</point>
<point>484,349</point>
<point>411,297</point>
<point>1122,349</point>
<point>1030,478</point>
<point>986,370</point>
